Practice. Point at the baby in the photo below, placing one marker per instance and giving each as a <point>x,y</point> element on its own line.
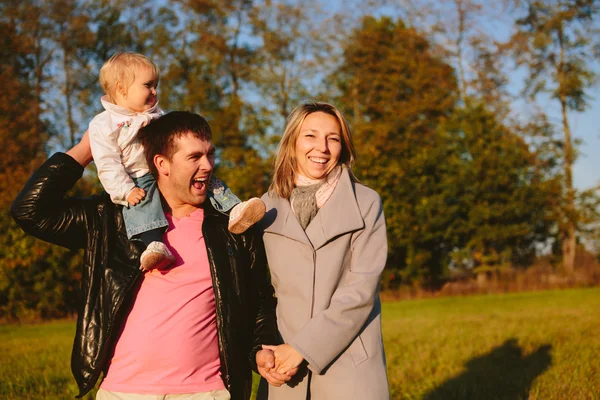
<point>130,82</point>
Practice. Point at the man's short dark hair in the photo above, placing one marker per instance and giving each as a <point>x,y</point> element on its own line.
<point>159,135</point>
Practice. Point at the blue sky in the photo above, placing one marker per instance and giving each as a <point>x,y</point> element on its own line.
<point>587,128</point>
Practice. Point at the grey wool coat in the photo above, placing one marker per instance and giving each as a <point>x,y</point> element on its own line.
<point>327,284</point>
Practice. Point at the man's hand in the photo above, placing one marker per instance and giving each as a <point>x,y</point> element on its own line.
<point>287,359</point>
<point>135,196</point>
<point>265,361</point>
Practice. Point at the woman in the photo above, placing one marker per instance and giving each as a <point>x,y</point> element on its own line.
<point>325,238</point>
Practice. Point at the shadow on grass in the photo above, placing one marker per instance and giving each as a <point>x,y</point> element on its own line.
<point>503,373</point>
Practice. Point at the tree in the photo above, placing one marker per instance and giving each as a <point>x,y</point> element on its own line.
<point>452,176</point>
<point>504,194</point>
<point>212,77</point>
<point>288,60</point>
<point>395,92</point>
<point>70,36</point>
<point>22,137</point>
<point>466,34</point>
<point>554,42</point>
<point>36,278</point>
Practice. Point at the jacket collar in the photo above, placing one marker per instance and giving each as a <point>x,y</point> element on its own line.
<point>209,210</point>
<point>338,216</point>
<point>113,108</point>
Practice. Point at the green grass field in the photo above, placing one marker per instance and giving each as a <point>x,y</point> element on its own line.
<point>542,345</point>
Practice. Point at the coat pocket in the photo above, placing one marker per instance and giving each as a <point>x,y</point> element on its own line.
<point>358,352</point>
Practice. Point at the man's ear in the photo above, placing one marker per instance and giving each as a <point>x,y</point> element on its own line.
<point>162,164</point>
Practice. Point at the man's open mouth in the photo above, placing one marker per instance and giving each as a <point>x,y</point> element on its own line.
<point>199,183</point>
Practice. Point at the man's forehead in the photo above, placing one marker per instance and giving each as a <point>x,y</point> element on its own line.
<point>191,142</point>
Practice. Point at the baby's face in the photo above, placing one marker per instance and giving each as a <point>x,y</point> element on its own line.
<point>141,95</point>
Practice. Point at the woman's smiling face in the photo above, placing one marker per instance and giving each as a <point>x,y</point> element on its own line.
<point>318,146</point>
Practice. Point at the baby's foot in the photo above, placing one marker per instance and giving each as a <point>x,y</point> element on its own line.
<point>246,214</point>
<point>156,256</point>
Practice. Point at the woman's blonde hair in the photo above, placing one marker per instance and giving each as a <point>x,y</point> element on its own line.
<point>121,68</point>
<point>285,161</point>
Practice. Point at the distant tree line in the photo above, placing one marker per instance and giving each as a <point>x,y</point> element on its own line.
<point>466,180</point>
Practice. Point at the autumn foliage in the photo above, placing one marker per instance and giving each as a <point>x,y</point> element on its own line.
<point>467,188</point>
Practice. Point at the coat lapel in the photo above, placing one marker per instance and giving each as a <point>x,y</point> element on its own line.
<point>280,220</point>
<point>338,216</point>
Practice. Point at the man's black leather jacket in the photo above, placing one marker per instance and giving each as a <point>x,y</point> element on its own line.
<point>244,296</point>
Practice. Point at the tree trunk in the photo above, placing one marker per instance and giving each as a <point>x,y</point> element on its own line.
<point>68,94</point>
<point>568,229</point>
<point>462,86</point>
<point>568,235</point>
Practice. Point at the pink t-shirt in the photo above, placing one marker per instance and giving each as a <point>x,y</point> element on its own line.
<point>169,342</point>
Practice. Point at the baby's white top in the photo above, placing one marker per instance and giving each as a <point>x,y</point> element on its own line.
<point>118,155</point>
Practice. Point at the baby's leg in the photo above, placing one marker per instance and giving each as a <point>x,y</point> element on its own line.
<point>157,255</point>
<point>246,214</point>
<point>221,197</point>
<point>146,221</point>
<point>242,215</point>
<point>154,235</point>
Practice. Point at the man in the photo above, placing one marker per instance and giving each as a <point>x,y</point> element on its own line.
<point>193,330</point>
